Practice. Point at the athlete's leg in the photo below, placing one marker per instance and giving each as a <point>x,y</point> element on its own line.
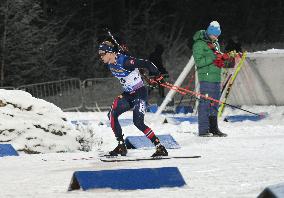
<point>119,106</point>
<point>138,120</point>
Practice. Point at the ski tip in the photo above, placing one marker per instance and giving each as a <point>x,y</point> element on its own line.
<point>193,156</point>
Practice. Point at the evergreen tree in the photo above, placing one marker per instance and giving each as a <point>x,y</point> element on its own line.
<point>30,42</point>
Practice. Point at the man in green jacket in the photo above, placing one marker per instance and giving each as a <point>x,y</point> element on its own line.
<point>209,61</point>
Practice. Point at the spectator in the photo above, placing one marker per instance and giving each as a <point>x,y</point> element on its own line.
<point>209,61</point>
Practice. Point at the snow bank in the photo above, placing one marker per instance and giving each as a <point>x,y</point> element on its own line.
<point>268,54</point>
<point>33,125</point>
<point>271,51</point>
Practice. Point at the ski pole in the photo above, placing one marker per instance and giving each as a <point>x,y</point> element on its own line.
<point>187,87</point>
<point>187,91</point>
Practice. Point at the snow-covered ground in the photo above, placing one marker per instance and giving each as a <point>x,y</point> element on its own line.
<point>240,165</point>
<point>34,125</point>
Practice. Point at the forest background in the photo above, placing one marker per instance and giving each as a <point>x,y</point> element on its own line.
<point>46,40</point>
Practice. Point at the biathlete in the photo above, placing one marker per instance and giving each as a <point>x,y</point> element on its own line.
<point>134,96</point>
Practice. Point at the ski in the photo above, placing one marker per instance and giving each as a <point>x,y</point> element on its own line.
<point>126,159</point>
<point>228,88</point>
<point>71,159</point>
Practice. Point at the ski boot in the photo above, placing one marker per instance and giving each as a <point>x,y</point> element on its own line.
<point>160,151</point>
<point>218,133</point>
<point>119,150</point>
<point>206,134</point>
<point>213,127</point>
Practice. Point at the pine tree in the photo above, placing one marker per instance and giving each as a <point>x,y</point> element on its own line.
<point>30,44</point>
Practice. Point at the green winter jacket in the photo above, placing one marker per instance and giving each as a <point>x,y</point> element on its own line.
<point>204,57</point>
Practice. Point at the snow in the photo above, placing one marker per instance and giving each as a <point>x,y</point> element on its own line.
<point>34,125</point>
<point>271,51</point>
<point>240,165</point>
<point>270,54</point>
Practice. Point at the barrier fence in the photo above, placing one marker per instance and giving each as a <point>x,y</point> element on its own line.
<point>94,94</point>
<point>98,93</point>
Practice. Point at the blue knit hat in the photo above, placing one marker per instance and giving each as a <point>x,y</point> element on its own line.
<point>106,46</point>
<point>214,29</point>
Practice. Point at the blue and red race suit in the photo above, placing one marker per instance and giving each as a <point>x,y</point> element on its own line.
<point>126,69</point>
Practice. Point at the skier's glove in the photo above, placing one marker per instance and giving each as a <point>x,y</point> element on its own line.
<point>225,56</point>
<point>157,80</point>
<point>219,61</point>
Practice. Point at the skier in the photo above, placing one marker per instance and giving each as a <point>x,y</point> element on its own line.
<point>125,68</point>
<point>209,60</point>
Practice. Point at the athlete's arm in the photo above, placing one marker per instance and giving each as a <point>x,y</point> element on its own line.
<point>132,63</point>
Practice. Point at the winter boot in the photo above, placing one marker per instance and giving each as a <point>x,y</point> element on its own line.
<point>160,151</point>
<point>119,150</point>
<point>205,134</point>
<point>213,127</point>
